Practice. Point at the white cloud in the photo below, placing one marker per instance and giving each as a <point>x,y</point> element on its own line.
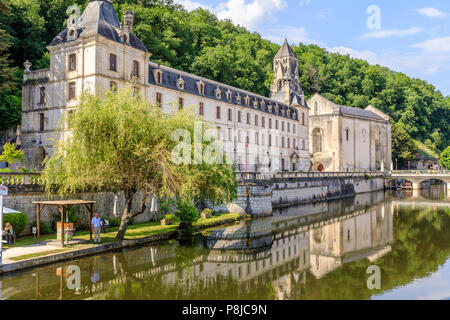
<point>305,2</point>
<point>294,35</point>
<point>249,14</point>
<point>192,5</point>
<point>441,44</point>
<point>432,12</point>
<point>367,55</point>
<point>392,33</point>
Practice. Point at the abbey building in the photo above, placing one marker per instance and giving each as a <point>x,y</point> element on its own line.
<point>98,52</point>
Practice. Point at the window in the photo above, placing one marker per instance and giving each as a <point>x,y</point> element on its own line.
<point>218,112</point>
<point>289,142</point>
<point>303,145</point>
<point>71,90</point>
<point>135,72</point>
<point>230,115</point>
<point>248,118</point>
<point>112,62</point>
<point>293,143</point>
<point>293,128</point>
<point>282,125</point>
<point>73,62</point>
<point>282,142</point>
<point>158,77</point>
<point>239,116</point>
<point>270,140</point>
<point>303,119</point>
<point>112,86</point>
<point>41,122</point>
<point>201,110</point>
<point>317,140</point>
<point>276,124</point>
<point>159,99</point>
<point>316,107</point>
<point>347,133</point>
<point>270,123</point>
<point>230,134</point>
<point>263,122</point>
<point>42,95</point>
<point>229,95</point>
<point>256,119</point>
<point>180,103</point>
<point>288,127</point>
<point>256,138</point>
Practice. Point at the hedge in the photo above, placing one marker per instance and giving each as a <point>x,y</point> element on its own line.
<point>18,221</point>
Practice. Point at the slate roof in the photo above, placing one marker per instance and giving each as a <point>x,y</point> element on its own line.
<point>359,113</point>
<point>170,77</point>
<point>99,18</point>
<point>285,51</point>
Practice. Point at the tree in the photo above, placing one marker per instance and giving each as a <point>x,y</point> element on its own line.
<point>403,146</point>
<point>6,68</point>
<point>444,160</point>
<point>120,142</point>
<point>10,154</point>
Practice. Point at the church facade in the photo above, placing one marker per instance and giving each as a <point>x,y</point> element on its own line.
<point>98,52</point>
<point>348,139</point>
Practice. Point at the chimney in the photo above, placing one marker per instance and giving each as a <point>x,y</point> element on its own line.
<point>128,18</point>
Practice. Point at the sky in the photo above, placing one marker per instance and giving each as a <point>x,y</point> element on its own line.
<point>410,36</point>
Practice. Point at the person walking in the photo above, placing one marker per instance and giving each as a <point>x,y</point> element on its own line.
<point>96,228</point>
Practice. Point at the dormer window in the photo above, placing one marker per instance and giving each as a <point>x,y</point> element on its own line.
<point>157,74</point>
<point>269,107</point>
<point>229,95</point>
<point>255,104</point>
<point>201,87</point>
<point>180,83</point>
<point>218,93</point>
<point>238,98</point>
<point>263,104</point>
<point>247,100</point>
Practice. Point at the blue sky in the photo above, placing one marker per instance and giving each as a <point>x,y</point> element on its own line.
<point>413,36</point>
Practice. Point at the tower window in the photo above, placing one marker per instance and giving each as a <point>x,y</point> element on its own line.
<point>71,90</point>
<point>201,110</point>
<point>42,95</point>
<point>41,122</point>
<point>135,72</point>
<point>159,99</point>
<point>112,62</point>
<point>73,62</point>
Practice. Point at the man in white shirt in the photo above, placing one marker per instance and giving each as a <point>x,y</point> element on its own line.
<point>96,227</point>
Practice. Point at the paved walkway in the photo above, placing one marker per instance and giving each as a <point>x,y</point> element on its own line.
<point>42,246</point>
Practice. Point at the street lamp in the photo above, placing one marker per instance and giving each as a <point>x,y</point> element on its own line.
<point>396,164</point>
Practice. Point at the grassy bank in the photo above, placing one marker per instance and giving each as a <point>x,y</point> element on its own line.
<point>135,231</point>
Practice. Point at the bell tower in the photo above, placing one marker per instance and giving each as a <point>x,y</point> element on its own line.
<point>286,84</point>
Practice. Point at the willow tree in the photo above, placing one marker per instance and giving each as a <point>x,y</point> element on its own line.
<point>119,142</point>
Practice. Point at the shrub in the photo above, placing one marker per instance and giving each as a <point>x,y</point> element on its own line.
<point>188,214</point>
<point>169,217</point>
<point>207,211</point>
<point>45,228</point>
<point>18,221</point>
<point>113,222</point>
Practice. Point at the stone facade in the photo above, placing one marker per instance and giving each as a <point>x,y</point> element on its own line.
<point>99,53</point>
<point>348,139</point>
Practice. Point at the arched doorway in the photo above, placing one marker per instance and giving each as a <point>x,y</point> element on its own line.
<point>318,167</point>
<point>39,157</point>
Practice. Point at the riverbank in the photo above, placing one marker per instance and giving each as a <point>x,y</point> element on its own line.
<point>28,253</point>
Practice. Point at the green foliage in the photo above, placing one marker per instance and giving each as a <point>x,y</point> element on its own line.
<point>188,214</point>
<point>113,222</point>
<point>18,221</point>
<point>44,228</point>
<point>444,160</point>
<point>10,154</point>
<point>403,146</point>
<point>207,211</point>
<point>169,217</point>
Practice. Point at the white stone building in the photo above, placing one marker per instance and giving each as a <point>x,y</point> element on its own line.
<point>348,139</point>
<point>98,52</point>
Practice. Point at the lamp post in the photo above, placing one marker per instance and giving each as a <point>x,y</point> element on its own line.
<point>396,164</point>
<point>3,192</point>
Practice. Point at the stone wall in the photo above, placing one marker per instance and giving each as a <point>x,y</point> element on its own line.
<point>21,198</point>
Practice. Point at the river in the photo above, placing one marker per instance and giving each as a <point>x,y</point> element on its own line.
<point>393,245</point>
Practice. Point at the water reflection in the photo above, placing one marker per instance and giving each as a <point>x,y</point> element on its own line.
<point>319,251</point>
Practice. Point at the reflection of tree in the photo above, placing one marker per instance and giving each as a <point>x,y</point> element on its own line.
<point>421,245</point>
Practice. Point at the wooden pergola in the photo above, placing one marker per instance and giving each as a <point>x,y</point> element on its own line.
<point>63,206</point>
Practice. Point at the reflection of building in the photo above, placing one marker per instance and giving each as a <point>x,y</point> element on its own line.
<point>346,138</point>
<point>368,235</point>
<point>100,53</point>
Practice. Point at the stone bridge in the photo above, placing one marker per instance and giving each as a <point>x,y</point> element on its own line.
<point>417,177</point>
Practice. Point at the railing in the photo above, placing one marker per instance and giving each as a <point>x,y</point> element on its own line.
<point>245,176</point>
<point>419,172</point>
<point>20,178</point>
<point>43,74</point>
